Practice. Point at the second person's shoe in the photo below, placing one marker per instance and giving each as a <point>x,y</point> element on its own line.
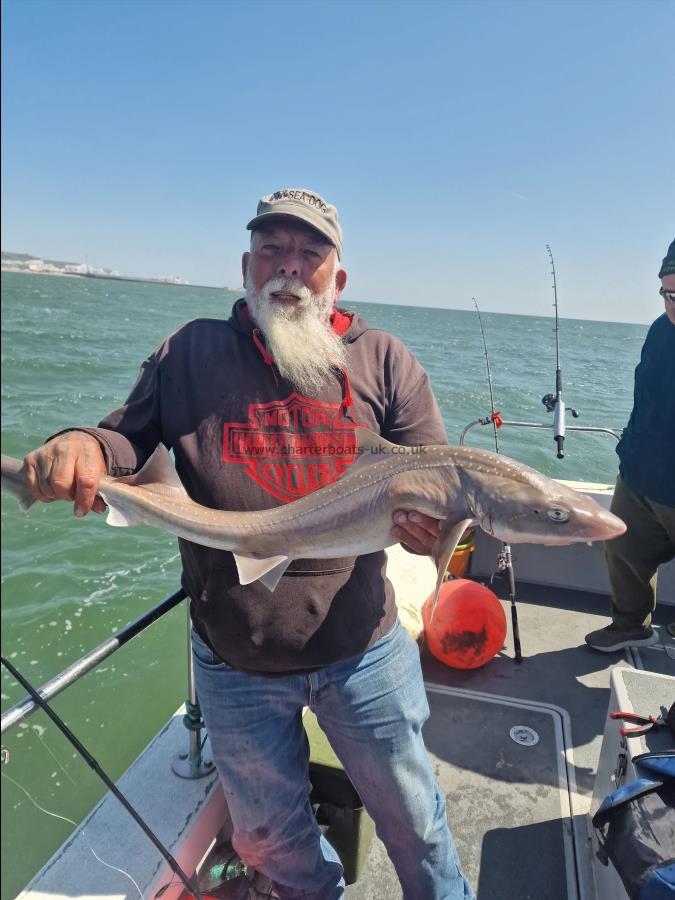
<point>611,638</point>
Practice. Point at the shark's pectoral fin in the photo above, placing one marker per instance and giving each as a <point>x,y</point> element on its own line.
<point>442,552</point>
<point>268,570</point>
<point>272,578</point>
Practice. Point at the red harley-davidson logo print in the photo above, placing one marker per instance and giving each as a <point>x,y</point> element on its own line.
<point>291,447</point>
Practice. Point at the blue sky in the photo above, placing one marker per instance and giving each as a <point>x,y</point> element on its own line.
<point>456,139</point>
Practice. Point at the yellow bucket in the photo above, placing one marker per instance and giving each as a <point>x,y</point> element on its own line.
<point>459,561</point>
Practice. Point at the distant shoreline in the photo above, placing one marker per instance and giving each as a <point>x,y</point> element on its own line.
<point>8,267</point>
<point>139,280</point>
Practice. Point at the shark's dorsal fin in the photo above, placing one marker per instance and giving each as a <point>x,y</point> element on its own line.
<point>159,469</point>
<point>268,570</point>
<point>442,551</point>
<point>371,448</point>
<point>368,440</point>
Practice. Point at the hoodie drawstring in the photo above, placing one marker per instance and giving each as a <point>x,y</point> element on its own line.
<point>347,399</point>
<point>267,357</point>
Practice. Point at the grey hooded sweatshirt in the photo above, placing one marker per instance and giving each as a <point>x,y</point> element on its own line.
<point>245,439</point>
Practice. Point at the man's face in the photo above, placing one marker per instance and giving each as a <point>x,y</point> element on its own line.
<point>284,248</point>
<point>668,284</point>
<point>292,282</point>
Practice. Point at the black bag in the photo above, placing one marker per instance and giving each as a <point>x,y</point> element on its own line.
<point>636,829</point>
<point>670,718</point>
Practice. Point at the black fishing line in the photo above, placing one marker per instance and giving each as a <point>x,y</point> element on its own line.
<point>489,375</point>
<point>89,759</point>
<point>506,560</point>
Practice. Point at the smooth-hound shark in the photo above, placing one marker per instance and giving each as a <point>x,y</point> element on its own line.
<point>352,516</point>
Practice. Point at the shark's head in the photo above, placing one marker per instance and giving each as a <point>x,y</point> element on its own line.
<point>534,509</point>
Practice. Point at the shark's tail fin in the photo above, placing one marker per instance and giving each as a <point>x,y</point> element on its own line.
<point>14,481</point>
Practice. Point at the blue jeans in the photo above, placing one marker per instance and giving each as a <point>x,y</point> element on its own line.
<point>372,707</point>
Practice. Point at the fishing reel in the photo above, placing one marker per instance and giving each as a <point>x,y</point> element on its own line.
<point>549,402</point>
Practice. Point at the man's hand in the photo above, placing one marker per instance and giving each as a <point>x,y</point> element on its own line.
<point>69,467</point>
<point>416,531</point>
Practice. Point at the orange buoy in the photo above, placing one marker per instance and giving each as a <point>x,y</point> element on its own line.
<point>468,627</point>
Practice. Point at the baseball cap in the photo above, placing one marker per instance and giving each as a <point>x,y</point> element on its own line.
<point>668,264</point>
<point>307,206</point>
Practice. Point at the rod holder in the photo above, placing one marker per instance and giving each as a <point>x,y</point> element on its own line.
<point>192,764</point>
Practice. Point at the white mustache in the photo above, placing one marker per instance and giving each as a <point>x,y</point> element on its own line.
<point>284,285</point>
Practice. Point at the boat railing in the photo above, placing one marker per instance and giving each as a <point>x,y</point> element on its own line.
<point>487,420</point>
<point>188,765</point>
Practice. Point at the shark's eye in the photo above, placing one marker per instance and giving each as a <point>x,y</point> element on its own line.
<point>558,515</point>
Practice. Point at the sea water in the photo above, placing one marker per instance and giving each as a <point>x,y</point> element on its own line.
<point>71,349</point>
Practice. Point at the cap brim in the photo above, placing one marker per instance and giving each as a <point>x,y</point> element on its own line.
<point>309,223</point>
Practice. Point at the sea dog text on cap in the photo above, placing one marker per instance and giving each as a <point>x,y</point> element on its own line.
<point>303,196</point>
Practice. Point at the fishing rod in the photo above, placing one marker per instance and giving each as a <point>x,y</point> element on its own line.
<point>494,415</point>
<point>505,560</point>
<point>72,673</point>
<point>89,759</point>
<point>555,403</point>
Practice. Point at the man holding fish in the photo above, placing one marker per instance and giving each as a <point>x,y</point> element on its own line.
<point>293,399</point>
<point>261,410</point>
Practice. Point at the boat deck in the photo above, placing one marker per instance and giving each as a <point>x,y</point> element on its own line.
<point>518,809</point>
<point>518,813</point>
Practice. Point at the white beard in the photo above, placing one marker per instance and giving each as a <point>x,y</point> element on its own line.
<point>299,337</point>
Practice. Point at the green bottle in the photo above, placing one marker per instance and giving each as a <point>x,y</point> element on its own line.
<point>227,871</point>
